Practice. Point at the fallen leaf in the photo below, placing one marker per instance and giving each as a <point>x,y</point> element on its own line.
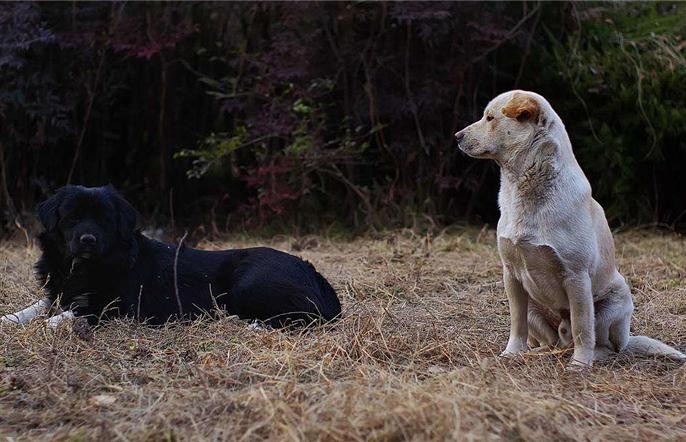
<point>102,400</point>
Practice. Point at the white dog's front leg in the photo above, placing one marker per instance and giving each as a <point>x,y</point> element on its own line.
<point>29,313</point>
<point>581,314</point>
<point>57,319</point>
<point>519,301</point>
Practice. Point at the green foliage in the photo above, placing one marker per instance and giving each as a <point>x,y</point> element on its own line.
<point>280,168</point>
<point>212,150</point>
<point>626,67</point>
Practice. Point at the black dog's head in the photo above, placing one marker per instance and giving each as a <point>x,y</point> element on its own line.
<point>88,223</point>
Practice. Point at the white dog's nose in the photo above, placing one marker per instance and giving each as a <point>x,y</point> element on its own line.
<point>459,136</point>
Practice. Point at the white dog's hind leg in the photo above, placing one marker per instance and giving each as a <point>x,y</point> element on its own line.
<point>614,316</point>
<point>602,353</point>
<point>541,332</point>
<point>57,319</point>
<point>564,334</point>
<point>29,313</point>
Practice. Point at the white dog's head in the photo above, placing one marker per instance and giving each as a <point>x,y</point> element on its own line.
<point>511,122</point>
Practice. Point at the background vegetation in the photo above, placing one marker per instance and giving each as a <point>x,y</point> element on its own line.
<point>244,114</point>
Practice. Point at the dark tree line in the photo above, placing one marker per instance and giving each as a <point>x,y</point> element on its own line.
<point>244,114</point>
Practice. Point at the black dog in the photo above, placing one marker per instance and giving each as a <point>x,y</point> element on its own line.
<point>97,264</point>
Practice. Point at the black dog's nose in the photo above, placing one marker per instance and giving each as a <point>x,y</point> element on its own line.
<point>459,136</point>
<point>87,239</point>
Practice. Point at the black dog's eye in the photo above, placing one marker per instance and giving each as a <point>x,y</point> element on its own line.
<point>105,222</point>
<point>489,118</point>
<point>67,220</point>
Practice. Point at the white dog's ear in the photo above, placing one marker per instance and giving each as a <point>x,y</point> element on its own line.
<point>523,108</point>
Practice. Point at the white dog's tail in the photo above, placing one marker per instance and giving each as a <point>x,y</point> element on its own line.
<point>645,346</point>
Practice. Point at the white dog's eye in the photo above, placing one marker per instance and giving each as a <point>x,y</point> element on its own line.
<point>489,118</point>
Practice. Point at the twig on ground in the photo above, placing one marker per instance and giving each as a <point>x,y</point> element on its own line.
<point>176,274</point>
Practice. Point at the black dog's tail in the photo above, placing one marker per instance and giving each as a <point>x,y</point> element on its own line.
<point>316,304</point>
<point>329,305</point>
<point>311,302</point>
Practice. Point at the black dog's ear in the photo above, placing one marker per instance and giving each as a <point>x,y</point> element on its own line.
<point>128,222</point>
<point>128,218</point>
<point>48,210</point>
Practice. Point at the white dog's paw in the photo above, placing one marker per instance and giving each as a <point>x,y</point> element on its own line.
<point>514,348</point>
<point>511,354</point>
<point>575,366</point>
<point>543,349</point>
<point>515,345</point>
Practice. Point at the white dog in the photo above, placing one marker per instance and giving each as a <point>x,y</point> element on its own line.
<point>553,238</point>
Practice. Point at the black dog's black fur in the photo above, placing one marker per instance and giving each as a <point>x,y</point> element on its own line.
<point>97,263</point>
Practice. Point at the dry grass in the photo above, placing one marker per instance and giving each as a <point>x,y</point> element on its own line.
<point>412,360</point>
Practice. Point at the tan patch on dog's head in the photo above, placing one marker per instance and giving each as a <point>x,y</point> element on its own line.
<point>522,107</point>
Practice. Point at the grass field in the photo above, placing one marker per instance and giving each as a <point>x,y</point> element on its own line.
<point>413,358</point>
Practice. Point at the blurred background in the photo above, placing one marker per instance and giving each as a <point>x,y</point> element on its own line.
<point>310,116</point>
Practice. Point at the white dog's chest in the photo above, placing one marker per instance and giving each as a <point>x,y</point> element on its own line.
<point>538,268</point>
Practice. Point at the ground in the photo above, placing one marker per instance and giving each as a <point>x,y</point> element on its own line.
<point>412,359</point>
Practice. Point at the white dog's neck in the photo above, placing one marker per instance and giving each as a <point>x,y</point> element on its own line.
<point>531,172</point>
<point>533,179</point>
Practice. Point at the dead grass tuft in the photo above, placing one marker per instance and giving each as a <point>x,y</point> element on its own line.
<point>413,358</point>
